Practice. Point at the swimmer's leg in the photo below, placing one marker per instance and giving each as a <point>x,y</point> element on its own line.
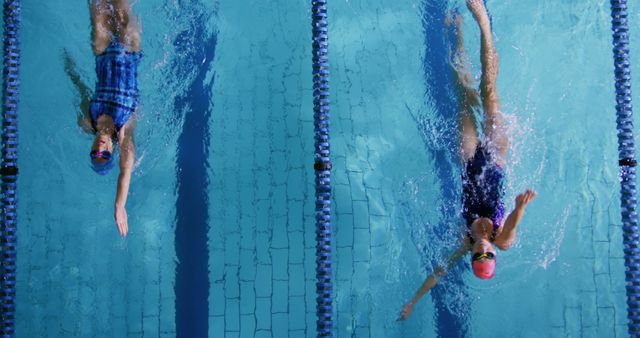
<point>84,116</point>
<point>127,27</point>
<point>101,28</point>
<point>493,127</point>
<point>467,94</point>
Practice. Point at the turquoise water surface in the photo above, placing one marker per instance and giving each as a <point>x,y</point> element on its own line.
<point>224,157</point>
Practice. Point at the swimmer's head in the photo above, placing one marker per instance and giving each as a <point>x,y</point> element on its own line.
<point>484,264</point>
<point>483,254</point>
<point>101,154</point>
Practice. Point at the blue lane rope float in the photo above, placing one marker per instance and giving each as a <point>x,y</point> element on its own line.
<point>9,168</point>
<point>627,162</point>
<point>322,167</point>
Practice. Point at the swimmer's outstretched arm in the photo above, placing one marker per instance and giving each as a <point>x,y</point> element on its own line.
<point>431,281</point>
<point>127,159</point>
<point>84,119</point>
<point>508,235</point>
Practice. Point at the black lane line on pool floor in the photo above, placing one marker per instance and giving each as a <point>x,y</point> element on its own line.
<point>194,50</point>
<point>440,87</point>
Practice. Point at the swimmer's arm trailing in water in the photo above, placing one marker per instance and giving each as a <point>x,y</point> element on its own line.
<point>507,237</point>
<point>431,281</point>
<point>127,161</point>
<point>84,118</point>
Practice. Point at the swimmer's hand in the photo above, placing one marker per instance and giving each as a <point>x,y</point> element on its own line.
<point>121,220</point>
<point>406,311</point>
<point>522,200</point>
<point>429,283</point>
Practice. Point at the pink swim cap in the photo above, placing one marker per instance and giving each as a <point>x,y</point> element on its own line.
<point>484,269</point>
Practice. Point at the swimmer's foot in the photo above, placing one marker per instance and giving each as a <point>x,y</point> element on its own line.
<point>478,10</point>
<point>448,20</point>
<point>454,17</point>
<point>458,56</point>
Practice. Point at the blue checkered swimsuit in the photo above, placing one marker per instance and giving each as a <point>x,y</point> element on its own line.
<point>116,91</point>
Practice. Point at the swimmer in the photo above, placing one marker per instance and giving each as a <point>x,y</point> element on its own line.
<point>110,114</point>
<point>483,162</point>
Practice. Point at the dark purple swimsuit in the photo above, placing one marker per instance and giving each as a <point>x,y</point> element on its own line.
<point>482,189</point>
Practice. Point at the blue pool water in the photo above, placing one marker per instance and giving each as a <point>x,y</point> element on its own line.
<point>221,209</point>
